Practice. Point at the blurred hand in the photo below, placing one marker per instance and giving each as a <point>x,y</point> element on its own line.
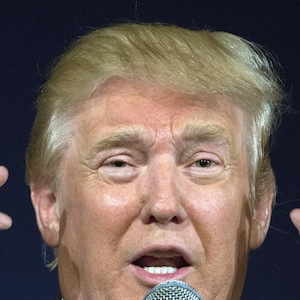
<point>5,220</point>
<point>295,217</point>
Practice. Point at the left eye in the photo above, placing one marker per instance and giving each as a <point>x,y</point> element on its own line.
<point>203,163</point>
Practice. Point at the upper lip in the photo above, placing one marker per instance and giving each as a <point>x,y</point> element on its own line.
<point>170,255</point>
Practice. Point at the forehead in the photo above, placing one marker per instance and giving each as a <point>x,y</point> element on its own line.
<point>122,104</point>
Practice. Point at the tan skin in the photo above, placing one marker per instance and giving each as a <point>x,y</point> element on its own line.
<point>295,217</point>
<point>153,178</point>
<point>5,220</point>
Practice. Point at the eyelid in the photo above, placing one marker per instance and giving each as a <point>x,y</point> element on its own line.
<point>99,158</point>
<point>214,162</point>
<point>197,155</point>
<point>204,173</point>
<point>114,174</point>
<point>116,158</point>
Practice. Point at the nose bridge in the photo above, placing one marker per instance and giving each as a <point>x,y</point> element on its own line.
<point>163,200</point>
<point>164,182</point>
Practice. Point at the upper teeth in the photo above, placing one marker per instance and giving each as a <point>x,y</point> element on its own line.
<point>160,270</point>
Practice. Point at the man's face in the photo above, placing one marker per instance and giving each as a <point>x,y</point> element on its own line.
<point>155,187</point>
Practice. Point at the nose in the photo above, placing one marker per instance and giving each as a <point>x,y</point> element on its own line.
<point>162,195</point>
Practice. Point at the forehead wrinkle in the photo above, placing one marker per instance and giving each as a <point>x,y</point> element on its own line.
<point>119,138</point>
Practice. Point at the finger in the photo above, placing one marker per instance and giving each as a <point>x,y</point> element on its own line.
<point>295,217</point>
<point>3,175</point>
<point>5,221</point>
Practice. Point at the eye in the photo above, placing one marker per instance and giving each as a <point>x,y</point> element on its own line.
<point>204,166</point>
<point>203,163</point>
<point>118,164</point>
<point>119,168</point>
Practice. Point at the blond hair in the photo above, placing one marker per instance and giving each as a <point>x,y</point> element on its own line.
<point>188,61</point>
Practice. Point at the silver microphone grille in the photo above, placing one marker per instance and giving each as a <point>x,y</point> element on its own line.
<point>172,290</point>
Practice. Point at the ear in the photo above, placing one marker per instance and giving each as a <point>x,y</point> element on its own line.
<point>261,214</point>
<point>47,212</point>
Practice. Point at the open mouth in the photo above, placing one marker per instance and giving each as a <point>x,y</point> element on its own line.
<point>161,264</point>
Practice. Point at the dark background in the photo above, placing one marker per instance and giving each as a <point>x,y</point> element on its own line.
<point>33,33</point>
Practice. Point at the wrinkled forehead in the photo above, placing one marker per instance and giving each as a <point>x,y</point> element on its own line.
<point>126,110</point>
<point>121,101</point>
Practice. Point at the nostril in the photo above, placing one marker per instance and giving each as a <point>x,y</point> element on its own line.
<point>163,219</point>
<point>162,209</point>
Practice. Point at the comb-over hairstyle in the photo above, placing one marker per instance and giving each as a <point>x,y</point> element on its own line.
<point>183,60</point>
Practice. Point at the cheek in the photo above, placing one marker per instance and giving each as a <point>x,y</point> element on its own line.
<point>93,225</point>
<point>103,212</point>
<point>219,214</point>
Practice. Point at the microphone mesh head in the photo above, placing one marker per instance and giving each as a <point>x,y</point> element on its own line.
<point>172,290</point>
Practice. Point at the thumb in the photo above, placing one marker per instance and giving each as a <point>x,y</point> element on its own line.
<point>295,217</point>
<point>5,221</point>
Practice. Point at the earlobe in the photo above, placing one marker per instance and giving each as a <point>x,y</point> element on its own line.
<point>47,213</point>
<point>261,218</point>
<point>259,228</point>
<point>265,191</point>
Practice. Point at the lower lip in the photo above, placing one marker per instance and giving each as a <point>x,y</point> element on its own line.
<point>150,280</point>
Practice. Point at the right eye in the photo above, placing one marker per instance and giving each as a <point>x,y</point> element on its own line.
<point>118,164</point>
<point>119,168</point>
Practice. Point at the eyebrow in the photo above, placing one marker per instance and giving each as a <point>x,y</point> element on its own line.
<point>121,138</point>
<point>202,132</point>
<point>193,132</point>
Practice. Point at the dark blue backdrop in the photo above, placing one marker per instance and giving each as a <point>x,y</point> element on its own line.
<point>34,32</point>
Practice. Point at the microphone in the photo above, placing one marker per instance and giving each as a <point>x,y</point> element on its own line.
<point>172,290</point>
